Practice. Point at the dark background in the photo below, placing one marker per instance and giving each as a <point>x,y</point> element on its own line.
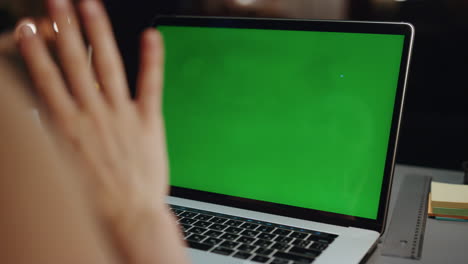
<point>435,124</point>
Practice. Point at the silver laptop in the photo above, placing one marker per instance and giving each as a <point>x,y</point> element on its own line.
<point>282,135</point>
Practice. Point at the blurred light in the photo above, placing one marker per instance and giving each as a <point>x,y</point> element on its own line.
<point>32,26</point>
<point>400,0</point>
<point>55,26</point>
<point>245,2</point>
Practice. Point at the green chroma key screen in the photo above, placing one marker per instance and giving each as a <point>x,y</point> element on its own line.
<point>291,117</point>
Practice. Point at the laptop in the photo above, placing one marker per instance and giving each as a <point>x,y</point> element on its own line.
<point>282,135</point>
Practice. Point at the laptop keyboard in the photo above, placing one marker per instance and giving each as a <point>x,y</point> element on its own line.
<point>250,239</point>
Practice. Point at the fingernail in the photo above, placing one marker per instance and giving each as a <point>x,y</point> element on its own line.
<point>154,34</point>
<point>27,30</point>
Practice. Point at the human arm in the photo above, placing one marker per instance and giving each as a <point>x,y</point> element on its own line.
<point>44,216</point>
<point>120,142</point>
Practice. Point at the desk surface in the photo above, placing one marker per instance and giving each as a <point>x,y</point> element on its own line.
<point>444,241</point>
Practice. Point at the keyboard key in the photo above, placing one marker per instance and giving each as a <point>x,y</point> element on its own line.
<point>228,236</point>
<point>187,221</point>
<point>279,261</point>
<point>246,248</point>
<point>217,220</point>
<point>312,253</point>
<point>249,226</point>
<point>233,223</point>
<point>213,233</point>
<point>212,241</point>
<point>185,227</point>
<point>223,251</point>
<point>177,212</point>
<point>280,246</point>
<point>233,230</point>
<point>242,255</point>
<point>197,230</point>
<point>203,217</point>
<point>202,224</point>
<point>320,239</point>
<point>199,246</point>
<point>298,235</point>
<point>282,239</point>
<point>188,214</point>
<point>318,246</point>
<point>263,243</point>
<point>218,227</point>
<point>322,234</point>
<point>281,232</point>
<point>264,251</point>
<point>265,229</point>
<point>260,259</point>
<point>293,257</point>
<point>245,240</point>
<point>249,233</point>
<point>301,243</point>
<point>229,244</point>
<point>196,238</point>
<point>266,236</point>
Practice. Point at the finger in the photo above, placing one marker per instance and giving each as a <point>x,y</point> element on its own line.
<point>46,30</point>
<point>107,61</point>
<point>44,72</point>
<point>73,55</point>
<point>150,79</point>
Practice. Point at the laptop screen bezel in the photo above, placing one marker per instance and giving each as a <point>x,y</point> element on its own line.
<point>322,26</point>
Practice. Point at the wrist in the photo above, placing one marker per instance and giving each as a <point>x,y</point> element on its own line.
<point>136,220</point>
<point>149,236</point>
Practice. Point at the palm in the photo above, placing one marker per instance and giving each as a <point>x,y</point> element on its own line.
<point>119,142</point>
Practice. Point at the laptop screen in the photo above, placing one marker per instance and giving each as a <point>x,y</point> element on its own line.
<point>299,118</point>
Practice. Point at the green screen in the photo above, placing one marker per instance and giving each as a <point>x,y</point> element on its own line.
<point>292,117</point>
